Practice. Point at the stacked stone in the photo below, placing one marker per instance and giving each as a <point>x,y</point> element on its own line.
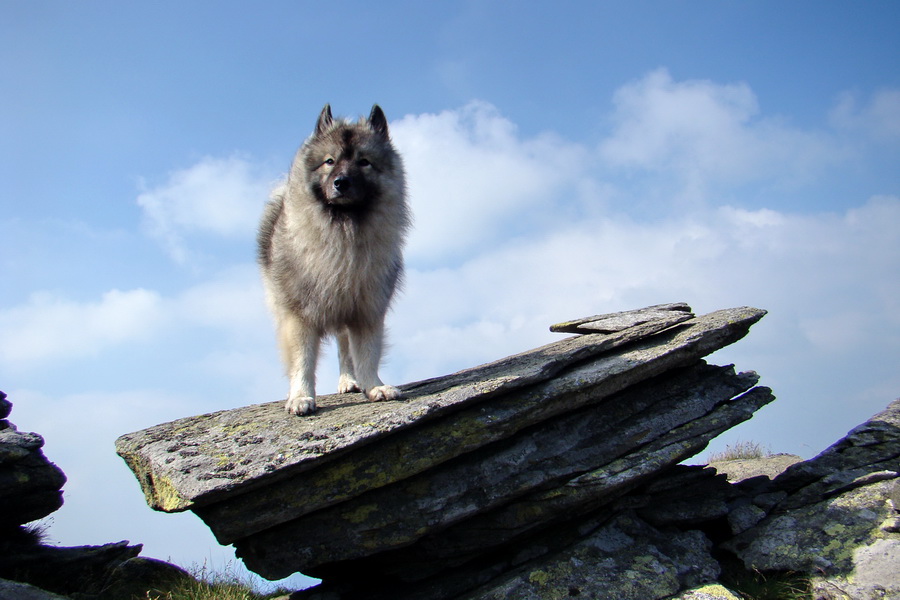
<point>30,489</point>
<point>30,485</point>
<point>475,484</point>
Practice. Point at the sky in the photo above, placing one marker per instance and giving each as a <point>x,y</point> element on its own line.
<point>564,159</point>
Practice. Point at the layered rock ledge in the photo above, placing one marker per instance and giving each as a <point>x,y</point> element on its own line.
<point>471,476</point>
<point>30,489</point>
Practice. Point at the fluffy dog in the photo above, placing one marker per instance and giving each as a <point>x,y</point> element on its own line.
<point>330,250</point>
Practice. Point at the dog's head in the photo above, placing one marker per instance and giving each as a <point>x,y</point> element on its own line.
<point>350,166</point>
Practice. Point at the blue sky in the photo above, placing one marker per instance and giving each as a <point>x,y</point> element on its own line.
<point>564,159</point>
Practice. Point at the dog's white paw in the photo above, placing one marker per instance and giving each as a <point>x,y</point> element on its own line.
<point>383,392</point>
<point>347,384</point>
<point>300,405</point>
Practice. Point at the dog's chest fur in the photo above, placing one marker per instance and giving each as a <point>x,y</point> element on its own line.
<point>333,270</point>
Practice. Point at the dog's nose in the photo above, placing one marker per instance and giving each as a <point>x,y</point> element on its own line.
<point>342,183</point>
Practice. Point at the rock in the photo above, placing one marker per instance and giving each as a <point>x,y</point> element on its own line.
<point>13,590</point>
<point>107,572</point>
<point>30,485</point>
<point>30,488</point>
<point>553,473</point>
<point>209,459</point>
<point>141,577</point>
<point>683,496</point>
<point>81,569</point>
<point>477,480</point>
<point>712,591</point>
<point>624,320</point>
<point>625,559</point>
<point>746,468</point>
<point>491,497</point>
<point>837,519</point>
<point>5,408</point>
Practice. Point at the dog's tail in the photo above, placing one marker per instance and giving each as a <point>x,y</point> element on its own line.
<point>271,216</point>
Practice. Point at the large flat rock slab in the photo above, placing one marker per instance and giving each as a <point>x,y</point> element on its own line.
<point>462,465</point>
<point>205,459</point>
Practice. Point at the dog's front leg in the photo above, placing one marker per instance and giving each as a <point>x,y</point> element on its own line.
<point>347,380</point>
<point>301,345</point>
<point>366,344</point>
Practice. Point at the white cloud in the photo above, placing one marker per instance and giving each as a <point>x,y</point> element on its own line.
<point>702,133</point>
<point>471,176</point>
<point>218,196</point>
<point>878,119</point>
<point>232,301</point>
<point>52,327</point>
<point>808,267</point>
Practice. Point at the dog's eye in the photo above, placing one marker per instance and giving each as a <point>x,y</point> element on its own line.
<point>329,161</point>
<point>363,162</point>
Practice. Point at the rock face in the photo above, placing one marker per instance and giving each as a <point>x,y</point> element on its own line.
<point>455,476</point>
<point>836,516</point>
<point>745,468</point>
<point>550,474</point>
<point>30,489</point>
<point>30,485</point>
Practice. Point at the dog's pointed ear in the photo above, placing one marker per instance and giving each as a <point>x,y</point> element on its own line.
<point>378,122</point>
<point>325,120</point>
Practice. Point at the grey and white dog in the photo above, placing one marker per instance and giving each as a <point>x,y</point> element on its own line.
<point>330,250</point>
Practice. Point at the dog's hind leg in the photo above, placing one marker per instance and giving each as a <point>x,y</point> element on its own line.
<point>366,344</point>
<point>300,351</point>
<point>347,380</point>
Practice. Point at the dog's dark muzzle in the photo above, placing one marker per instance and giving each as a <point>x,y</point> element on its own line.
<point>346,189</point>
<point>343,184</point>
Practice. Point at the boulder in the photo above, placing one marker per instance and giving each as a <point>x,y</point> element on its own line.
<point>712,591</point>
<point>553,473</point>
<point>140,577</point>
<point>626,559</point>
<point>30,485</point>
<point>31,488</point>
<point>5,408</point>
<point>475,481</point>
<point>14,590</point>
<point>746,468</point>
<point>836,516</point>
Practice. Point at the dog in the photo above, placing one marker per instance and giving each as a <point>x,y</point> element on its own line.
<point>330,248</point>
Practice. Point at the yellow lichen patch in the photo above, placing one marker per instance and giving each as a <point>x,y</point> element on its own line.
<point>539,577</point>
<point>360,514</point>
<point>166,497</point>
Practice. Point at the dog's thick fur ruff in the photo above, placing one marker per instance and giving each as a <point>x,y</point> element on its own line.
<point>330,251</point>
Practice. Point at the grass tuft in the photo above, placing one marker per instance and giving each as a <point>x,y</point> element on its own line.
<point>751,584</point>
<point>215,585</point>
<point>740,451</point>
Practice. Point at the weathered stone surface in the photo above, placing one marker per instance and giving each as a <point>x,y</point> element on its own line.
<point>81,569</point>
<point>837,519</point>
<point>624,320</point>
<point>13,590</point>
<point>30,485</point>
<point>206,460</point>
<point>625,559</point>
<point>467,463</point>
<point>683,496</point>
<point>549,474</point>
<point>5,408</point>
<point>141,577</point>
<point>30,488</point>
<point>712,591</point>
<point>585,459</point>
<point>768,466</point>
